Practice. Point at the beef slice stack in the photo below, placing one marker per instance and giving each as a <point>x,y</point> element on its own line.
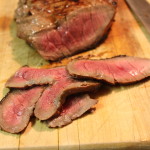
<point>60,28</point>
<point>43,92</point>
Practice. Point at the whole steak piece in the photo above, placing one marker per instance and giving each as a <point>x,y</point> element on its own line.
<point>60,28</point>
<point>119,69</point>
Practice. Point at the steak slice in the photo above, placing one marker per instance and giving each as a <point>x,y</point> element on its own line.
<point>27,76</point>
<point>54,96</point>
<point>74,107</point>
<point>121,69</point>
<point>17,107</point>
<point>60,85</point>
<point>60,28</point>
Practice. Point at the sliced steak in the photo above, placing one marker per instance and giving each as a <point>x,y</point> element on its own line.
<point>74,107</point>
<point>59,28</point>
<point>17,107</point>
<point>27,76</point>
<point>121,69</point>
<point>54,96</point>
<point>60,85</point>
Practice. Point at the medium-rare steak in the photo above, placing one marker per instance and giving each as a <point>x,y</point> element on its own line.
<point>27,76</point>
<point>17,107</point>
<point>121,69</point>
<point>60,85</point>
<point>59,28</point>
<point>54,96</point>
<point>74,107</point>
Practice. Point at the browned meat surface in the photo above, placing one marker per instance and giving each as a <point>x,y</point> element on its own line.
<point>60,86</point>
<point>17,107</point>
<point>123,69</point>
<point>60,28</point>
<point>74,107</point>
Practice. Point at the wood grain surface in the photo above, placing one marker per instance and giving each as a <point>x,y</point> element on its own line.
<point>122,116</point>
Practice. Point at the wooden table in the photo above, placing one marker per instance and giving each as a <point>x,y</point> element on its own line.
<point>122,116</point>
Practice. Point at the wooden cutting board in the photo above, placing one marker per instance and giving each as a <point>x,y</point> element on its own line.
<point>122,116</point>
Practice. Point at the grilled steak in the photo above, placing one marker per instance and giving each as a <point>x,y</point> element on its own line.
<point>17,107</point>
<point>74,107</point>
<point>59,28</point>
<point>60,86</point>
<point>123,69</point>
